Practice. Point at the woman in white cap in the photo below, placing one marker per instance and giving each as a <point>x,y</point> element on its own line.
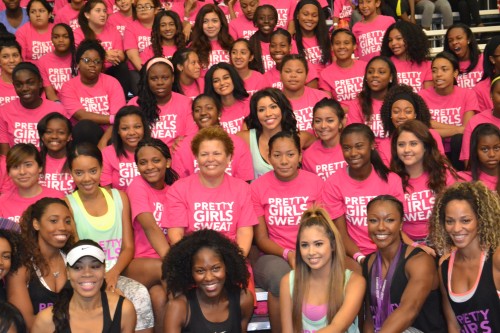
<point>83,303</point>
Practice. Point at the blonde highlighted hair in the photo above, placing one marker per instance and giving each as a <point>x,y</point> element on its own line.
<point>316,216</point>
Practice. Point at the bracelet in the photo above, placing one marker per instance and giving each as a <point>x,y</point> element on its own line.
<point>285,253</point>
<point>111,119</point>
<point>359,258</point>
<point>356,255</point>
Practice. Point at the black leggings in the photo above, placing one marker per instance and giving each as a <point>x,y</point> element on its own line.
<point>467,9</point>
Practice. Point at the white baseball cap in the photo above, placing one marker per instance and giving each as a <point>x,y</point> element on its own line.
<point>85,250</point>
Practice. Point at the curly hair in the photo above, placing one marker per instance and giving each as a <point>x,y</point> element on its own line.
<point>320,31</point>
<point>157,39</point>
<point>17,247</point>
<point>365,95</point>
<point>484,203</point>
<point>200,43</point>
<point>146,99</point>
<point>415,40</point>
<point>42,129</point>
<point>89,44</point>
<point>239,91</point>
<point>212,133</point>
<point>125,111</point>
<point>479,132</point>
<point>433,162</point>
<point>422,112</point>
<point>258,37</point>
<point>474,52</point>
<point>288,121</point>
<point>178,263</point>
<point>32,257</point>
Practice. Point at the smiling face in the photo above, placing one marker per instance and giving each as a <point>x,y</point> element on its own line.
<point>279,47</point>
<point>285,157</point>
<point>54,227</point>
<point>443,74</point>
<point>266,21</point>
<point>222,82</point>
<point>152,165</point>
<point>240,55</point>
<point>488,153</point>
<point>269,114</point>
<point>410,150</point>
<point>212,159</point>
<point>384,224</point>
<point>461,224</point>
<point>315,248</point>
<point>25,175</point>
<point>5,257</point>
<point>124,5</point>
<point>39,16</point>
<point>402,111</point>
<point>326,125</point>
<point>209,272</point>
<point>459,43</point>
<point>160,80</point>
<point>9,58</point>
<point>397,44</point>
<point>60,39</point>
<point>308,18</point>
<point>28,87</point>
<point>357,149</point>
<point>131,131</point>
<point>86,173</point>
<point>205,113</point>
<point>343,46</point>
<point>378,75</point>
<point>368,8</point>
<point>167,28</point>
<point>211,26</point>
<point>293,75</point>
<point>87,276</point>
<point>56,136</point>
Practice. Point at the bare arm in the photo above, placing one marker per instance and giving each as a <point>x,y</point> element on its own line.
<point>244,237</point>
<point>306,139</point>
<point>175,234</point>
<point>43,322</point>
<point>153,233</point>
<point>96,118</point>
<point>135,59</point>
<point>175,315</point>
<point>246,305</point>
<point>17,294</point>
<point>350,247</point>
<point>466,117</point>
<point>50,92</point>
<point>266,245</point>
<point>4,148</point>
<point>449,315</point>
<point>286,304</point>
<point>103,143</point>
<point>129,317</point>
<point>446,130</point>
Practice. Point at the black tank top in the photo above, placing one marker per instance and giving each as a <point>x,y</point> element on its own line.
<point>40,296</point>
<point>481,313</point>
<point>198,323</point>
<point>431,318</point>
<point>109,326</point>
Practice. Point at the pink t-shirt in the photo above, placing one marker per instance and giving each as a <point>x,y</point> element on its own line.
<point>137,37</point>
<point>18,124</point>
<point>241,27</point>
<point>225,10</point>
<point>355,115</point>
<point>346,196</point>
<point>69,16</point>
<point>369,36</point>
<point>175,119</point>
<point>218,54</point>
<point>343,83</point>
<point>184,162</point>
<point>54,177</point>
<point>313,54</point>
<point>193,90</point>
<point>224,209</point>
<point>273,77</point>
<point>148,53</point>
<point>485,117</point>
<point>450,109</point>
<point>178,7</point>
<point>255,82</point>
<point>33,44</point>
<point>321,160</point>
<point>342,9</point>
<point>469,80</point>
<point>282,203</point>
<point>268,61</point>
<point>384,146</point>
<point>145,199</point>
<point>12,205</point>
<point>110,39</point>
<point>117,171</point>
<point>482,90</point>
<point>413,74</point>
<point>232,116</point>
<point>419,203</point>
<point>55,70</point>
<point>285,10</point>
<point>120,22</point>
<point>6,184</point>
<point>103,98</point>
<point>7,93</point>
<point>303,106</point>
<point>489,181</point>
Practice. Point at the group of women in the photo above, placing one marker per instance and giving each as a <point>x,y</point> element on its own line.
<point>139,215</point>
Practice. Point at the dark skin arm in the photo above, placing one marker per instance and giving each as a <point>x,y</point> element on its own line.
<point>176,312</point>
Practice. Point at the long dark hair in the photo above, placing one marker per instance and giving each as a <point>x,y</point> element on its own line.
<point>72,45</point>
<point>415,40</point>
<point>84,22</point>
<point>375,159</point>
<point>200,41</point>
<point>115,137</point>
<point>239,91</point>
<point>156,39</point>
<point>42,128</point>
<point>321,31</point>
<point>170,175</point>
<point>479,132</point>
<point>474,52</point>
<point>489,51</point>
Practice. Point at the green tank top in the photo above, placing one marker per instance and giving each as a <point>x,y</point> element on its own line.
<point>106,229</point>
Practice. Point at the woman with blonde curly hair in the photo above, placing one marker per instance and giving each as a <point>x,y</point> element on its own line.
<point>465,217</point>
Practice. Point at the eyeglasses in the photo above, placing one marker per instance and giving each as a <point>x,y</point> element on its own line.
<point>140,8</point>
<point>95,61</point>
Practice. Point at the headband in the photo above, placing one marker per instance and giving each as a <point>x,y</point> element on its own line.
<point>84,250</point>
<point>156,60</point>
<point>494,80</point>
<point>407,97</point>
